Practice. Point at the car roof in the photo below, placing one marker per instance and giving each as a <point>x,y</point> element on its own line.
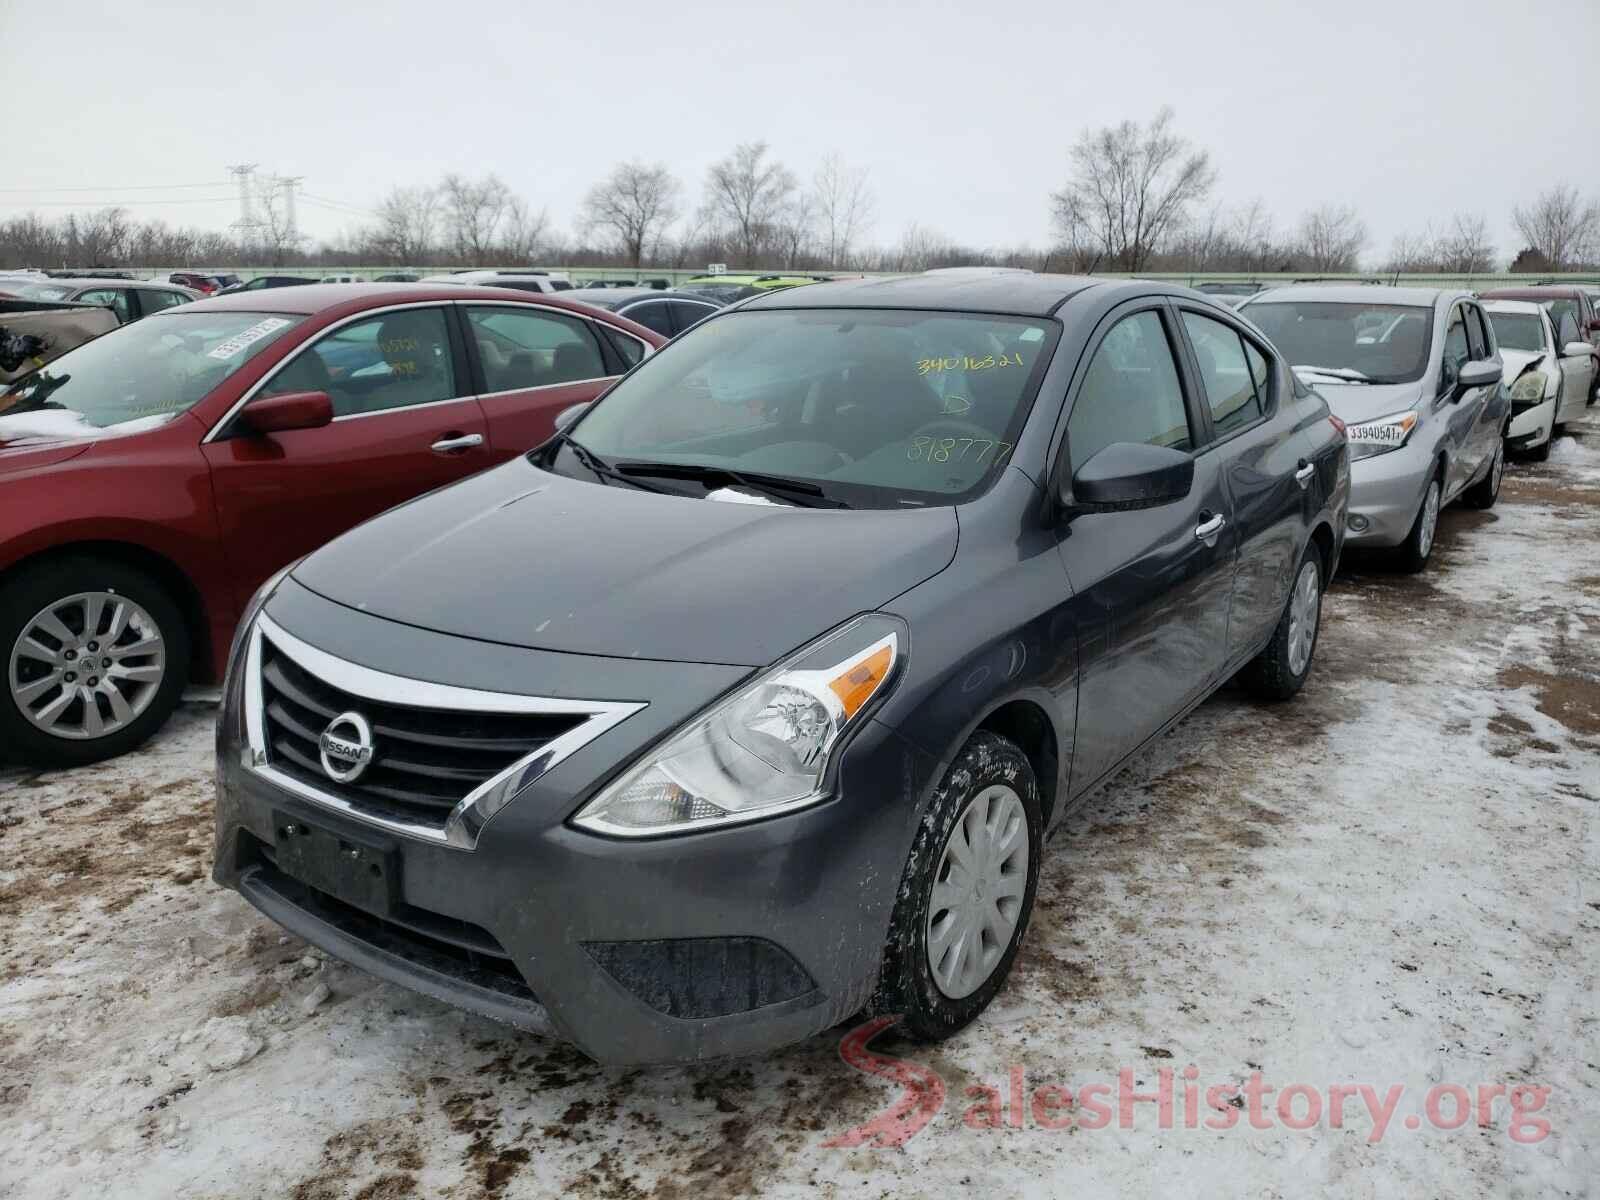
<point>320,297</point>
<point>1548,291</point>
<point>611,297</point>
<point>88,281</point>
<point>1349,293</point>
<point>1532,307</point>
<point>1027,295</point>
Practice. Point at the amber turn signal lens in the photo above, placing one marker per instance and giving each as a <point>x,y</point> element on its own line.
<point>855,687</point>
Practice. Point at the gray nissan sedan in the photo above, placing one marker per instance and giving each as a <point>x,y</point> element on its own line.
<point>745,704</point>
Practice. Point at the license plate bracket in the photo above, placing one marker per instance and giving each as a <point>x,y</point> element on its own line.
<point>361,872</point>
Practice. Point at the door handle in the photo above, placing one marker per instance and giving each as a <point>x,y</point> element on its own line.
<point>1304,475</point>
<point>451,442</point>
<point>1207,531</point>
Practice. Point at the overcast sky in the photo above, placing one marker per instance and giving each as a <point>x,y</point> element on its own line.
<point>962,112</point>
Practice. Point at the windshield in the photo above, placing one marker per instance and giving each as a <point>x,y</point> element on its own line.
<point>1517,331</point>
<point>722,293</point>
<point>148,372</point>
<point>1385,343</point>
<point>44,291</point>
<point>877,408</point>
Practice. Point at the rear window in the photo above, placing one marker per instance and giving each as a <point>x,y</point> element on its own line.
<point>1517,331</point>
<point>1384,343</point>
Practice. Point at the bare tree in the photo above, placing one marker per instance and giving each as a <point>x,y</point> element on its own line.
<point>407,217</point>
<point>1559,225</point>
<point>1464,248</point>
<point>279,236</point>
<point>100,237</point>
<point>1130,188</point>
<point>473,210</point>
<point>749,193</point>
<point>522,231</point>
<point>796,230</point>
<point>845,208</point>
<point>1331,239</point>
<point>632,207</point>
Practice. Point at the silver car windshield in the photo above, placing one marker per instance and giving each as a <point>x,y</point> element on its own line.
<point>1376,343</point>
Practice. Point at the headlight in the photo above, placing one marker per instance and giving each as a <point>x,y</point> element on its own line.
<point>1529,388</point>
<point>1380,436</point>
<point>763,750</point>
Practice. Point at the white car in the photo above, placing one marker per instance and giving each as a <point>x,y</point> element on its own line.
<point>1548,387</point>
<point>525,281</point>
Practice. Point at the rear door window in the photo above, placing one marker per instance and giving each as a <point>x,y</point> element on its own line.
<point>1229,377</point>
<point>529,347</point>
<point>653,316</point>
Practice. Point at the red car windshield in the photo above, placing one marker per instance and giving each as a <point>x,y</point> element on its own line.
<point>148,372</point>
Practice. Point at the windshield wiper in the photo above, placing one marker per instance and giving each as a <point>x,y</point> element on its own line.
<point>1342,374</point>
<point>801,492</point>
<point>593,462</point>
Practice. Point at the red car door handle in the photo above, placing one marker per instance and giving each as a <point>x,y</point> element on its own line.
<point>453,442</point>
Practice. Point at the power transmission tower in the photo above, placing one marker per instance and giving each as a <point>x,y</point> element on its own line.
<point>247,228</point>
<point>288,184</point>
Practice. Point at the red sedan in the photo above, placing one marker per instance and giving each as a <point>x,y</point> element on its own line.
<point>152,479</point>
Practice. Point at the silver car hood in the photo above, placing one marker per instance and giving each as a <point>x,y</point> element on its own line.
<point>1354,403</point>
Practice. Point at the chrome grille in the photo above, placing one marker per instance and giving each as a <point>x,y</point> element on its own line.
<point>429,756</point>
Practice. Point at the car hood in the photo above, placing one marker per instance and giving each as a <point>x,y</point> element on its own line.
<point>1354,403</point>
<point>526,558</point>
<point>58,425</point>
<point>1516,361</point>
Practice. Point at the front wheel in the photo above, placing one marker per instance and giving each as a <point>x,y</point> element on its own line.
<point>967,892</point>
<point>95,654</point>
<point>1280,670</point>
<point>1414,551</point>
<point>1486,491</point>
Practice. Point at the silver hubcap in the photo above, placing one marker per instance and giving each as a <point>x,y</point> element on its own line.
<point>1305,605</point>
<point>1430,519</point>
<point>977,891</point>
<point>87,665</point>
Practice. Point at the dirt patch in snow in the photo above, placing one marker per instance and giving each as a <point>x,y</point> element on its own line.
<point>1566,696</point>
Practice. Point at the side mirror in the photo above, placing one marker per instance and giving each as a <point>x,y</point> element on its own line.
<point>1594,325</point>
<point>567,416</point>
<point>1129,475</point>
<point>1483,373</point>
<point>1576,349</point>
<point>292,410</point>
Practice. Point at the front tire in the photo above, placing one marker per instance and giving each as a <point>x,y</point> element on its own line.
<point>967,892</point>
<point>1486,491</point>
<point>1280,670</point>
<point>1413,553</point>
<point>94,655</point>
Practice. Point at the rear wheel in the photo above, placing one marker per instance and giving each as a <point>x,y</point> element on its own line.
<point>1413,553</point>
<point>967,892</point>
<point>1279,671</point>
<point>96,655</point>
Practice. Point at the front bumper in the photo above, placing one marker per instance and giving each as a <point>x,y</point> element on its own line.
<point>724,942</point>
<point>1532,426</point>
<point>1386,495</point>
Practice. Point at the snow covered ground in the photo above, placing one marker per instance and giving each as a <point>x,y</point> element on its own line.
<point>1393,880</point>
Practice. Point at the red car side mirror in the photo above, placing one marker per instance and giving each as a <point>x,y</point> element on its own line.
<point>1594,325</point>
<point>292,410</point>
